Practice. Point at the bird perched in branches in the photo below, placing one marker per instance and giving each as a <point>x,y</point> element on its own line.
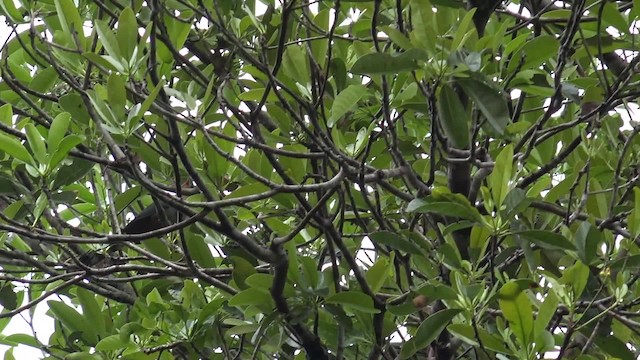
<point>151,219</point>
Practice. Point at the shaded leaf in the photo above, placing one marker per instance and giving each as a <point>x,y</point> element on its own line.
<point>383,63</point>
<point>427,332</point>
<point>453,118</point>
<point>489,101</point>
<point>346,100</point>
<point>516,308</point>
<point>547,239</point>
<point>355,300</point>
<point>395,241</point>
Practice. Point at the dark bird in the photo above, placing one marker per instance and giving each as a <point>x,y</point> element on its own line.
<point>151,219</point>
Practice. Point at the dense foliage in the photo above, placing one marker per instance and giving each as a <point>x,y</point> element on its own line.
<point>349,179</point>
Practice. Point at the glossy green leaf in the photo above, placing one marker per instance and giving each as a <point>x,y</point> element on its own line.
<point>15,149</point>
<point>68,174</point>
<point>453,118</point>
<point>383,63</point>
<point>6,114</point>
<point>74,321</point>
<point>395,241</point>
<point>251,296</point>
<point>427,332</point>
<point>200,251</point>
<point>127,34</point>
<point>346,100</point>
<point>398,37</point>
<point>535,52</point>
<point>10,10</point>
<point>242,269</point>
<point>91,310</point>
<point>547,311</point>
<point>501,175</point>
<point>70,19</point>
<point>36,143</point>
<point>463,28</point>
<point>634,217</point>
<point>378,274</point>
<point>116,92</point>
<point>353,300</point>
<point>476,336</point>
<point>64,147</point>
<point>58,130</point>
<point>108,39</point>
<point>588,238</point>
<point>547,239</point>
<point>489,101</point>
<point>111,343</point>
<point>516,308</point>
<point>447,205</point>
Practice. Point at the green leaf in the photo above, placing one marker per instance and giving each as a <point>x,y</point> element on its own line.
<point>15,149</point>
<point>423,18</point>
<point>612,15</point>
<point>378,274</point>
<point>614,347</point>
<point>535,51</point>
<point>427,332</point>
<point>70,20</point>
<point>257,95</point>
<point>108,39</point>
<point>463,28</point>
<point>634,217</point>
<point>627,262</point>
<point>127,34</point>
<point>516,308</point>
<point>6,114</point>
<point>63,149</point>
<point>36,143</point>
<point>587,239</point>
<point>489,101</point>
<point>73,104</point>
<point>8,297</point>
<point>44,80</point>
<point>116,92</point>
<point>383,63</point>
<point>68,174</point>
<point>91,309</point>
<point>547,239</point>
<point>251,296</point>
<point>111,343</point>
<point>395,241</point>
<point>10,10</point>
<point>470,335</point>
<point>58,130</point>
<point>24,339</point>
<point>453,118</point>
<point>74,321</point>
<point>243,329</point>
<point>200,251</point>
<point>346,100</point>
<point>437,292</point>
<point>242,269</point>
<point>397,37</point>
<point>547,311</point>
<point>446,204</point>
<point>501,175</point>
<point>355,300</point>
<point>576,277</point>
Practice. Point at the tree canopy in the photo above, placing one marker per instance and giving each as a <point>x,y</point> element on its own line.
<point>381,179</point>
